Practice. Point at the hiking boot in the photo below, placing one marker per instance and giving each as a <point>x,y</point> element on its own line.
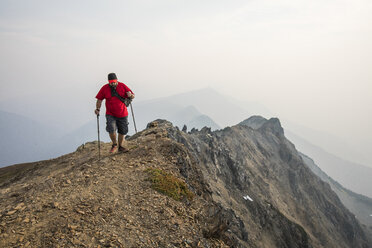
<point>123,149</point>
<point>113,148</point>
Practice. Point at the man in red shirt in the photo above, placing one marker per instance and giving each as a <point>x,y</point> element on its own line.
<point>116,111</point>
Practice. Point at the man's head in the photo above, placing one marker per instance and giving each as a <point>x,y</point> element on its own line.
<point>113,80</point>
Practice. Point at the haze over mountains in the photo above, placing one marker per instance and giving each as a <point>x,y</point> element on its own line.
<point>223,109</point>
<point>206,107</point>
<point>335,145</point>
<point>24,139</point>
<point>195,109</point>
<point>351,175</point>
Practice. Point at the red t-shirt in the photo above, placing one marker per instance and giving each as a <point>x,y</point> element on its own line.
<point>114,106</point>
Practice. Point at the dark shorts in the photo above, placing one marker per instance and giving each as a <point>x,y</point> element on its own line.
<point>114,123</point>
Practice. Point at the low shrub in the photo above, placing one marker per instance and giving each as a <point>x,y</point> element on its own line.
<point>169,185</point>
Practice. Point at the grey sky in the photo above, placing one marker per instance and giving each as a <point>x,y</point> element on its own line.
<point>307,61</point>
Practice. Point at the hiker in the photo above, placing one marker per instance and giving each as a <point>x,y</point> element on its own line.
<point>116,110</point>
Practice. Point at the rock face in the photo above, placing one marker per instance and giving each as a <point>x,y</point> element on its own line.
<point>359,205</point>
<point>250,187</point>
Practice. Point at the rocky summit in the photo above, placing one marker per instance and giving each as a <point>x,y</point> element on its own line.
<point>236,187</point>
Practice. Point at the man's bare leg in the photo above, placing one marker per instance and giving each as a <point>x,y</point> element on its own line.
<point>120,139</point>
<point>113,138</point>
<point>114,143</point>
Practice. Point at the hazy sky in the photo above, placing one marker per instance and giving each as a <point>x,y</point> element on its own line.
<point>308,61</point>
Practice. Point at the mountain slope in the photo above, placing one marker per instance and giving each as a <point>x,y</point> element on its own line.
<point>249,188</point>
<point>358,204</point>
<point>342,171</point>
<point>265,166</point>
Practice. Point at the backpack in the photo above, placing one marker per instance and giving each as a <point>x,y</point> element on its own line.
<point>126,101</point>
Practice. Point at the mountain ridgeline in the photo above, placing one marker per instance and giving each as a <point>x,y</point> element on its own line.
<point>247,187</point>
<point>291,207</point>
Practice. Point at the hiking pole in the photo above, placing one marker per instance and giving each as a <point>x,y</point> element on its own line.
<point>134,121</point>
<point>99,142</point>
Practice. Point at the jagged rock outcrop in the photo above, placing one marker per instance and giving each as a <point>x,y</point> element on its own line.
<point>250,187</point>
<point>254,121</point>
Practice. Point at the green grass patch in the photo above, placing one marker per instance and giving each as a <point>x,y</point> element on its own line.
<point>169,185</point>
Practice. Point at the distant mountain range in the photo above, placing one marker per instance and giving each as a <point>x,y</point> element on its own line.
<point>358,204</point>
<point>178,114</point>
<point>25,140</point>
<point>222,109</point>
<point>32,141</point>
<point>351,175</point>
<point>359,154</point>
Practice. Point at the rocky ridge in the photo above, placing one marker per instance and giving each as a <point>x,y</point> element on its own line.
<point>251,189</point>
<point>78,201</point>
<point>359,205</point>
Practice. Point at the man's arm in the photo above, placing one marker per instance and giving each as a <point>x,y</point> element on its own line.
<point>98,106</point>
<point>130,94</point>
